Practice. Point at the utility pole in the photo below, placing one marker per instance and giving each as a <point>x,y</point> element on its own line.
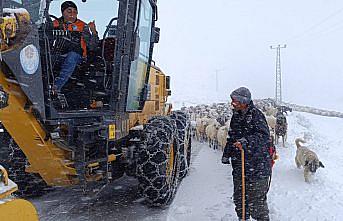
<point>278,94</point>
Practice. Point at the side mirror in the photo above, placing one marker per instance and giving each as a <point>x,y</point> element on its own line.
<point>155,35</point>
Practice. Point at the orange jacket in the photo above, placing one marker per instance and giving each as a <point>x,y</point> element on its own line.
<point>79,26</point>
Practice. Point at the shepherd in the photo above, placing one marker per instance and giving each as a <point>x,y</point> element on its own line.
<point>248,147</point>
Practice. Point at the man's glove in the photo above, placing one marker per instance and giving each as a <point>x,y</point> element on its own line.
<point>226,154</point>
<point>225,160</point>
<point>240,143</point>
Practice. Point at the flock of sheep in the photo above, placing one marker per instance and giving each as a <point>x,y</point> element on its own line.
<point>210,123</point>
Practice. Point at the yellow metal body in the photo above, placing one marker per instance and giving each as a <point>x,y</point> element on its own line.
<point>49,159</point>
<point>8,27</point>
<point>111,131</point>
<point>157,102</point>
<point>54,164</point>
<point>7,31</point>
<point>3,176</point>
<point>7,186</point>
<point>17,210</point>
<point>12,209</point>
<point>44,157</point>
<point>14,23</point>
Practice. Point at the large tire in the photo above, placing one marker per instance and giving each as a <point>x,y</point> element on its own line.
<point>15,162</point>
<point>184,138</point>
<point>158,164</point>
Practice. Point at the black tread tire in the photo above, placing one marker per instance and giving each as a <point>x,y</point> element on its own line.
<point>15,162</point>
<point>184,137</point>
<point>157,186</point>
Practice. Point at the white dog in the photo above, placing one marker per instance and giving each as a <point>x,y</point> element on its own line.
<point>307,159</point>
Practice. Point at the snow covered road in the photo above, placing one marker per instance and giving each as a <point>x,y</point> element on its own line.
<point>206,193</point>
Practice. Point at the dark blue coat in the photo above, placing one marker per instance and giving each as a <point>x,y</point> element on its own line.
<point>250,126</point>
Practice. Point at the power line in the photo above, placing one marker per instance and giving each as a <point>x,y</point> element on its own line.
<point>335,27</point>
<point>295,37</point>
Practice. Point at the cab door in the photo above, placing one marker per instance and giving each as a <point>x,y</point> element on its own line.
<point>139,70</point>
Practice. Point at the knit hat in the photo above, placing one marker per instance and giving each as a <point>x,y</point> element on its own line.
<point>242,95</point>
<point>67,4</point>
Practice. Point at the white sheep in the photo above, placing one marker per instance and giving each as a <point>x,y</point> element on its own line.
<point>271,121</point>
<point>222,136</point>
<point>270,111</point>
<point>198,129</point>
<point>201,124</point>
<point>211,133</point>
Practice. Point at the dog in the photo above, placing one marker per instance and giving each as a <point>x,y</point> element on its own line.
<point>281,128</point>
<point>307,159</point>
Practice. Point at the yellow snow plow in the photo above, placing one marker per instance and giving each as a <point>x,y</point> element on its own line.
<point>10,207</point>
<point>110,119</point>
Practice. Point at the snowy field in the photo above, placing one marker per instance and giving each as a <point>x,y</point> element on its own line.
<point>206,193</point>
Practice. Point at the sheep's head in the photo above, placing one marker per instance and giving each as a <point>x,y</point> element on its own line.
<point>217,125</point>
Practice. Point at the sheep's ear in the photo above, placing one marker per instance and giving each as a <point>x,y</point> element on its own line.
<point>306,163</point>
<point>321,164</point>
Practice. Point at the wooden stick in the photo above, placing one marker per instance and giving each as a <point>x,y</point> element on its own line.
<point>243,185</point>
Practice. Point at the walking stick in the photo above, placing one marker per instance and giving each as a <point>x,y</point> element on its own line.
<point>243,185</point>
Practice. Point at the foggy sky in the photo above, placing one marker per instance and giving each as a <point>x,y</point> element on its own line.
<point>233,38</point>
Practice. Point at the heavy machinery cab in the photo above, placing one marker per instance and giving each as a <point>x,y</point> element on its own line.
<point>113,78</point>
<point>91,122</point>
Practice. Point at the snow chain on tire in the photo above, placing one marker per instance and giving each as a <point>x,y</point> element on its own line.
<point>184,137</point>
<point>158,164</point>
